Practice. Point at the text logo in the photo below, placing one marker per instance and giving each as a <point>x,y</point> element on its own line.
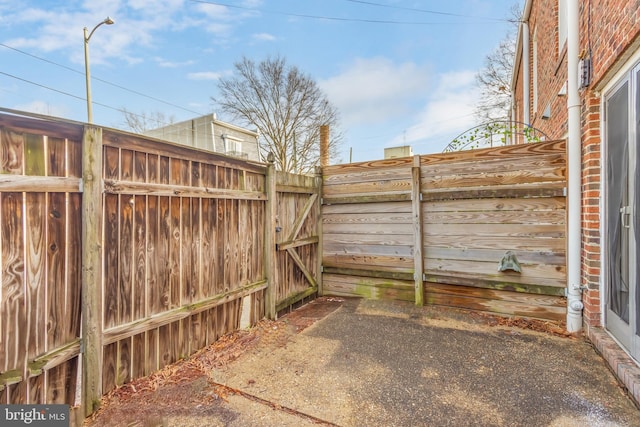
<point>34,415</point>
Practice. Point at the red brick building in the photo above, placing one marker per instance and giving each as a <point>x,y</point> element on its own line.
<point>577,76</point>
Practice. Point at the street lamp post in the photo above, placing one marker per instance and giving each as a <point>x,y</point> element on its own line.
<point>87,37</point>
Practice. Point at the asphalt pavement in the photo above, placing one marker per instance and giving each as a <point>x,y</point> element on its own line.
<point>356,362</point>
<point>375,363</point>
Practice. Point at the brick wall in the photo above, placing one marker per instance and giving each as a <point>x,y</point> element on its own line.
<point>610,34</point>
<point>551,72</point>
<point>610,28</point>
<point>591,172</point>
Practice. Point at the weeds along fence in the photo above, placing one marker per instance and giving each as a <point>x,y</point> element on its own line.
<point>433,229</point>
<point>151,249</point>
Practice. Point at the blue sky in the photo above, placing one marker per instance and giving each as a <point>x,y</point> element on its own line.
<point>408,80</point>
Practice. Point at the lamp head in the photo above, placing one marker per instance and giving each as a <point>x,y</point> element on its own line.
<point>109,21</point>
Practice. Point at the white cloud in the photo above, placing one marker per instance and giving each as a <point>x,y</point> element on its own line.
<point>41,107</point>
<point>375,89</point>
<point>59,30</point>
<point>170,64</point>
<point>137,22</point>
<point>221,20</point>
<point>214,10</point>
<point>448,112</point>
<point>204,75</point>
<point>252,3</point>
<point>265,37</point>
<point>155,5</point>
<point>219,28</point>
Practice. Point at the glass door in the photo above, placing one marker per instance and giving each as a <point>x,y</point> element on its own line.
<point>622,106</point>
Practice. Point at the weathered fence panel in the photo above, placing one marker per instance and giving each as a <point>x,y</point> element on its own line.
<point>484,204</point>
<point>474,207</point>
<point>183,232</point>
<point>40,248</point>
<point>368,237</point>
<point>177,258</point>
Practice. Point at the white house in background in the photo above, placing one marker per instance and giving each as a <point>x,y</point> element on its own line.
<point>395,152</point>
<point>209,133</point>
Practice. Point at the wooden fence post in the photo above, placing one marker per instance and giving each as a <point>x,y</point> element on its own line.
<point>319,230</point>
<point>416,207</point>
<point>91,269</point>
<point>324,161</point>
<point>269,239</point>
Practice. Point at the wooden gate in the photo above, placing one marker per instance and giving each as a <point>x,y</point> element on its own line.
<point>297,238</point>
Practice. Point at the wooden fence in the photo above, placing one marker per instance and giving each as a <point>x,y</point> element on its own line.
<point>433,229</point>
<point>155,249</point>
<point>40,260</point>
<point>183,244</point>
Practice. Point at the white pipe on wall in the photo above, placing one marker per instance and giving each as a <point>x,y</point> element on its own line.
<point>574,146</point>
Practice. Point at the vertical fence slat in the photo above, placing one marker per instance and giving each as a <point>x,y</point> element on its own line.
<point>269,242</point>
<point>13,310</point>
<point>58,249</point>
<point>416,206</point>
<point>126,253</point>
<point>35,273</point>
<point>318,184</point>
<point>92,268</point>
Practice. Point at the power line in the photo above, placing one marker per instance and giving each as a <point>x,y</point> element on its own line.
<point>98,79</point>
<point>334,18</point>
<point>42,86</point>
<point>120,110</point>
<point>434,12</point>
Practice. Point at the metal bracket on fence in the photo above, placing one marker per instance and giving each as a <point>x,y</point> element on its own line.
<point>510,262</point>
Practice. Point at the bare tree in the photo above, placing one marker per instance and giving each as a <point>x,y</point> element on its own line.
<point>141,122</point>
<point>287,108</point>
<point>494,79</point>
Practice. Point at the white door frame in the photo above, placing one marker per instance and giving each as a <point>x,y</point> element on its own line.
<point>627,335</point>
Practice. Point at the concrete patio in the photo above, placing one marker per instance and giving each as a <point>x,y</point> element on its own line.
<point>353,362</point>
